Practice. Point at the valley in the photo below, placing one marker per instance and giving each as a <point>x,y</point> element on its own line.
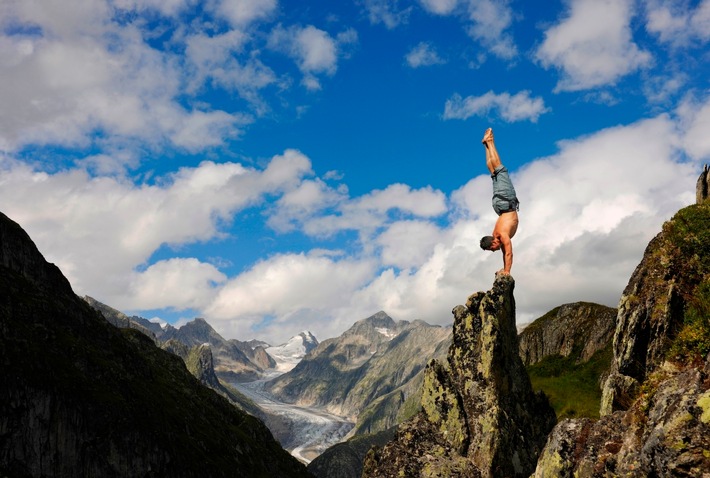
<point>312,431</point>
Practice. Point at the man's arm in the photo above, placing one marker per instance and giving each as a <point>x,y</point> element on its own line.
<point>507,249</point>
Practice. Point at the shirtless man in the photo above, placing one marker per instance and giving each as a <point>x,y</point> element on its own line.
<point>505,204</point>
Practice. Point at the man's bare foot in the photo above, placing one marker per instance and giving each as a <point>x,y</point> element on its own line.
<point>487,136</point>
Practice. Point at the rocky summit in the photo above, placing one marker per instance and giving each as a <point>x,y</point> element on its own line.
<point>480,416</point>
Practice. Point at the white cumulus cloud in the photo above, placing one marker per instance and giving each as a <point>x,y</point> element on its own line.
<point>490,22</point>
<point>439,7</point>
<point>100,231</point>
<point>74,73</point>
<point>677,23</point>
<point>290,287</point>
<point>592,45</point>
<point>518,107</point>
<point>242,12</point>
<point>388,12</point>
<point>315,51</point>
<point>424,54</point>
<point>178,283</point>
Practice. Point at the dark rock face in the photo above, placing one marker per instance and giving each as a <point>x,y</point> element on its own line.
<point>701,187</point>
<point>80,397</point>
<point>653,304</point>
<point>201,365</point>
<point>579,329</point>
<point>655,409</point>
<point>480,415</point>
<point>345,460</point>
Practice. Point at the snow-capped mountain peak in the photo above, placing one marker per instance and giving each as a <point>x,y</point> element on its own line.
<point>289,354</point>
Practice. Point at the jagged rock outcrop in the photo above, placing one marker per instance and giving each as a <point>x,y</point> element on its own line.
<point>235,361</point>
<point>480,415</point>
<point>80,397</point>
<point>664,433</point>
<point>701,187</point>
<point>200,363</point>
<point>580,329</point>
<point>652,306</point>
<point>656,406</point>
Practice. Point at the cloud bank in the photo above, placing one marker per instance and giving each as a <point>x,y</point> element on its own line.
<point>586,214</point>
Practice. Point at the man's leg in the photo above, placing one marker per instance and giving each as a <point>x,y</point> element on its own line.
<point>492,157</point>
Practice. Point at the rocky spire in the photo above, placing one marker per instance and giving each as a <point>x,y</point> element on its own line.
<point>480,415</point>
<point>701,187</point>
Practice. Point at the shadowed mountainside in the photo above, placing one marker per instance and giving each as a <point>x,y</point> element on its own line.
<point>578,329</point>
<point>83,398</point>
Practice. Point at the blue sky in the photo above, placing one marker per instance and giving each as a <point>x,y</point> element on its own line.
<point>275,166</point>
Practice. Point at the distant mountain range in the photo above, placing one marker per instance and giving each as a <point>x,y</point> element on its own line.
<point>235,360</point>
<point>368,374</point>
<point>372,373</point>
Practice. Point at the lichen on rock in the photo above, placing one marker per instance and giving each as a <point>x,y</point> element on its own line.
<point>655,413</point>
<point>480,415</point>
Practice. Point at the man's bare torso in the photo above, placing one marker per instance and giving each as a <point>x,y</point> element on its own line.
<point>506,225</point>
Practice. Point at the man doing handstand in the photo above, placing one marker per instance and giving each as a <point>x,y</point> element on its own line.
<point>505,204</point>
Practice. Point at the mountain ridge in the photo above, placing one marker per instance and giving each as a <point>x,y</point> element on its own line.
<point>83,398</point>
<point>334,375</point>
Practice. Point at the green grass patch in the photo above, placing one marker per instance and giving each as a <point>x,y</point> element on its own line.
<point>573,389</point>
<point>689,231</point>
<point>692,344</point>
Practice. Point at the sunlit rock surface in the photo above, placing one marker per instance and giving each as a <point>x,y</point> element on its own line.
<point>480,415</point>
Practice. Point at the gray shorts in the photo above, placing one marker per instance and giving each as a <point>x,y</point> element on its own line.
<point>504,197</point>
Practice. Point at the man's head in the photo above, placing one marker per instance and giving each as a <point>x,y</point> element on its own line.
<point>490,243</point>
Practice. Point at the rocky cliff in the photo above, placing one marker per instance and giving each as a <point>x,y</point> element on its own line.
<point>580,329</point>
<point>652,308</point>
<point>702,188</point>
<point>480,416</point>
<point>80,397</point>
<point>656,403</point>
